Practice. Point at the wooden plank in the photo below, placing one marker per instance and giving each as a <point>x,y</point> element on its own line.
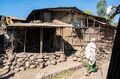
<point>87,21</point>
<point>12,45</point>
<point>62,43</point>
<point>94,23</point>
<point>41,40</point>
<point>25,40</point>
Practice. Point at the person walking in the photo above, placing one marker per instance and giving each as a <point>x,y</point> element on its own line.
<point>90,54</point>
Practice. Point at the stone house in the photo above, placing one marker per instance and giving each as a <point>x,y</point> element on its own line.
<point>62,29</point>
<point>50,34</point>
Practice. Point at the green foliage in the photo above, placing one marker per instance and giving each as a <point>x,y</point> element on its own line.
<point>101,8</point>
<point>88,11</point>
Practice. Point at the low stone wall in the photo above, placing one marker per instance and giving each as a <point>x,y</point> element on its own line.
<point>23,61</point>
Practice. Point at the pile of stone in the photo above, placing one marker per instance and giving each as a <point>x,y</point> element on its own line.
<point>23,61</point>
<point>101,57</point>
<point>78,56</point>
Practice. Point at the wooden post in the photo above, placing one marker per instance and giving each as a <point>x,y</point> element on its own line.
<point>12,36</point>
<point>25,40</point>
<point>62,43</point>
<point>87,21</point>
<point>41,40</point>
<point>55,39</point>
<point>94,23</point>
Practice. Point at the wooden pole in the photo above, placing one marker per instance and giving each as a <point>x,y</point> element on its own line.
<point>94,23</point>
<point>87,21</point>
<point>25,40</point>
<point>62,43</point>
<point>55,39</point>
<point>41,40</point>
<point>12,40</point>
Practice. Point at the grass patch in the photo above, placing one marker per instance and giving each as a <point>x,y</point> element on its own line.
<point>64,74</point>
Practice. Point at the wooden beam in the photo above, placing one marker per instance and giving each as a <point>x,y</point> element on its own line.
<point>41,40</point>
<point>94,23</point>
<point>62,43</point>
<point>25,40</point>
<point>12,45</point>
<point>87,21</point>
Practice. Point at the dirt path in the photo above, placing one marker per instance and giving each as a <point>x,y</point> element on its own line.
<point>80,73</point>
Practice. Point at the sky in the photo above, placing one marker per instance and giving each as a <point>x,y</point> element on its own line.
<point>22,8</point>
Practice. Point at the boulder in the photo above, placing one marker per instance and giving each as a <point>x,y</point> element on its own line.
<point>40,56</point>
<point>32,66</point>
<point>46,57</point>
<point>30,54</point>
<point>53,62</point>
<point>11,57</point>
<point>74,58</point>
<point>77,54</point>
<point>20,59</point>
<point>79,59</point>
<point>22,68</point>
<point>6,67</point>
<point>14,63</point>
<point>32,58</point>
<point>41,65</point>
<point>48,62</point>
<point>40,60</point>
<point>17,69</point>
<point>27,64</point>
<point>21,55</point>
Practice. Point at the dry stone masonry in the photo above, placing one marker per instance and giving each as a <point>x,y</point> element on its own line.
<point>23,61</point>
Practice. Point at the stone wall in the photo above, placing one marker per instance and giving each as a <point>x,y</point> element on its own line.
<point>23,61</point>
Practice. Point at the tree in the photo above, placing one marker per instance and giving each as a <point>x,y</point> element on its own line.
<point>101,8</point>
<point>88,11</point>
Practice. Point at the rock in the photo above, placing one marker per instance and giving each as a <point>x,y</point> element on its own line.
<point>62,58</point>
<point>26,59</point>
<point>17,69</point>
<point>9,63</point>
<point>32,58</point>
<point>46,57</point>
<point>30,54</point>
<point>45,64</point>
<point>74,58</point>
<point>53,62</point>
<point>5,61</point>
<point>45,60</point>
<point>77,54</point>
<point>27,64</point>
<point>40,65</point>
<point>14,63</point>
<point>20,59</point>
<point>57,58</point>
<point>40,60</point>
<point>6,67</point>
<point>40,56</point>
<point>36,63</point>
<point>21,55</point>
<point>32,66</point>
<point>12,67</point>
<point>22,68</point>
<point>79,59</point>
<point>48,62</point>
<point>11,57</point>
